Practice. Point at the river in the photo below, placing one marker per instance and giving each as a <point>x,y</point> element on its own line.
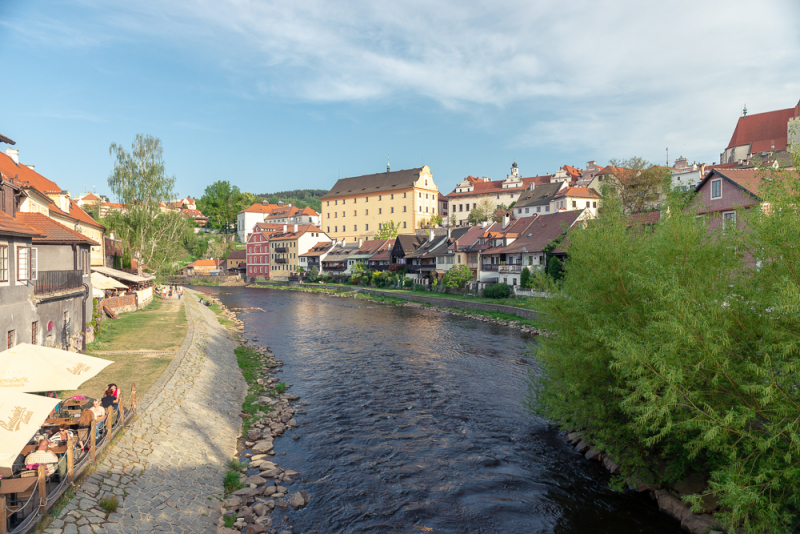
<point>415,423</point>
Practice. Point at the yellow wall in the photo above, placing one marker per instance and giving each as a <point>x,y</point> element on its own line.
<point>341,214</point>
<point>282,270</point>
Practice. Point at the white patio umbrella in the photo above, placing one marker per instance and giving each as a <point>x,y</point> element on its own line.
<point>21,415</point>
<point>29,368</point>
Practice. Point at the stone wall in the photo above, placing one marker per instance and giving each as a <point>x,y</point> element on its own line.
<point>124,304</point>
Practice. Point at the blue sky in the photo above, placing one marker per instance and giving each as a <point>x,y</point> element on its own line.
<point>284,95</point>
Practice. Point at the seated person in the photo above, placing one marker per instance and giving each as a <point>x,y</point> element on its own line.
<point>62,434</point>
<point>42,455</point>
<point>110,398</point>
<point>99,415</point>
<point>84,426</point>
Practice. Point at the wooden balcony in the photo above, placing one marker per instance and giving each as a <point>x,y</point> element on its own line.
<point>49,282</point>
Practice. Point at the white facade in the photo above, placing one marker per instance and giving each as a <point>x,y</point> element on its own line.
<point>245,221</point>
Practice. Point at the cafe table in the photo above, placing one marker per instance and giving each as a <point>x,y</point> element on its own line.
<point>17,485</point>
<point>58,421</point>
<point>57,449</point>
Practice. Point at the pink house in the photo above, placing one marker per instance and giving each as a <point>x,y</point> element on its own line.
<point>722,191</point>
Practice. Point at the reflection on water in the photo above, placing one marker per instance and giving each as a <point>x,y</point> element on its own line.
<point>415,424</point>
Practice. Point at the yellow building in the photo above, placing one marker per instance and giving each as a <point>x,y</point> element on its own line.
<point>357,208</point>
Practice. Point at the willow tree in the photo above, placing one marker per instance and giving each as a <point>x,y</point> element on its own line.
<point>140,183</point>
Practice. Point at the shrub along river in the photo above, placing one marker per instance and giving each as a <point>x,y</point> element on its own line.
<point>415,423</point>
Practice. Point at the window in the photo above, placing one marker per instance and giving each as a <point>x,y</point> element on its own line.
<point>547,209</point>
<point>343,200</point>
<point>380,226</point>
<point>380,197</point>
<point>335,214</point>
<point>366,199</point>
<point>426,209</point>
<point>35,333</point>
<point>366,212</point>
<point>3,263</point>
<point>335,228</point>
<point>574,204</point>
<point>328,229</point>
<point>380,210</point>
<point>420,195</point>
<point>355,213</point>
<point>344,214</point>
<point>329,215</point>
<point>716,188</point>
<point>404,195</point>
<point>392,209</point>
<point>587,203</point>
<point>391,197</point>
<point>473,205</point>
<point>527,210</point>
<point>728,219</point>
<point>329,203</point>
<point>335,202</point>
<point>24,263</point>
<point>404,224</point>
<point>594,204</point>
<point>420,209</point>
<point>498,197</point>
<point>366,227</point>
<point>404,208</point>
<point>11,335</point>
<point>461,207</point>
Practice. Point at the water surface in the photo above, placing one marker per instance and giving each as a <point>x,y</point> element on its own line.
<point>415,423</point>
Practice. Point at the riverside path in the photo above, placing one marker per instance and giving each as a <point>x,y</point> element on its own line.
<point>167,469</point>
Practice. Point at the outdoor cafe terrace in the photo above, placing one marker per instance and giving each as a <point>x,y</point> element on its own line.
<point>31,480</point>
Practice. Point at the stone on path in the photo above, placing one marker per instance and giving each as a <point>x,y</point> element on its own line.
<point>167,469</point>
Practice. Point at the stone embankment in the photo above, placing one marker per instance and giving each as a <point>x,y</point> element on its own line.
<point>256,507</point>
<point>668,496</point>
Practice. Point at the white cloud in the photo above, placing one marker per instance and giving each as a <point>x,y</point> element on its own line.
<point>608,77</point>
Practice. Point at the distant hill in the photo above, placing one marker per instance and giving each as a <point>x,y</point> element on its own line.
<point>299,197</point>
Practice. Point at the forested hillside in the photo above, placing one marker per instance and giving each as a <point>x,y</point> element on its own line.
<point>298,197</point>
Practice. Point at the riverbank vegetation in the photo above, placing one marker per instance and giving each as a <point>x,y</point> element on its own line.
<point>678,350</point>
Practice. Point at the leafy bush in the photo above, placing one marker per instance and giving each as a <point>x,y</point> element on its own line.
<point>384,279</point>
<point>497,291</point>
<point>457,276</point>
<point>555,268</point>
<point>681,344</point>
<point>525,278</point>
<point>408,282</point>
<point>313,275</point>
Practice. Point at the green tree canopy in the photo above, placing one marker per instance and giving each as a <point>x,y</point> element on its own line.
<point>221,202</point>
<point>139,182</point>
<point>388,230</point>
<point>457,276</point>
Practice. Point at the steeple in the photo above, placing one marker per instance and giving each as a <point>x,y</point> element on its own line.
<point>744,111</point>
<point>388,167</point>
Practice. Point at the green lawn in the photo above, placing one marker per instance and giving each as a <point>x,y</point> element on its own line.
<point>161,326</point>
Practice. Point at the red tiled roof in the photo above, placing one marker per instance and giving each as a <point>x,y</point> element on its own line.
<point>24,176</point>
<point>90,196</point>
<point>76,212</point>
<point>51,230</point>
<point>319,249</point>
<point>308,211</point>
<point>572,171</point>
<point>10,226</point>
<point>578,192</point>
<point>291,234</point>
<point>203,263</point>
<point>762,130</point>
<point>239,254</point>
<point>496,186</point>
<point>258,207</point>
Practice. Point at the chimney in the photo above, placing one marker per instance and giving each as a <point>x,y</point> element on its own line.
<point>31,167</point>
<point>13,153</point>
<point>533,184</point>
<point>430,235</point>
<point>360,242</point>
<point>506,219</point>
<point>284,228</point>
<point>264,203</point>
<point>483,224</point>
<point>295,227</point>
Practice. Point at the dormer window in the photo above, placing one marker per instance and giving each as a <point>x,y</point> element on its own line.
<point>716,188</point>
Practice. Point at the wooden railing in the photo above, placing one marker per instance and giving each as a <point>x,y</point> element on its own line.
<point>54,281</point>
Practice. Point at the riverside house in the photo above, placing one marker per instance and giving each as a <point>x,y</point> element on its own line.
<point>236,262</point>
<point>522,246</point>
<point>357,208</point>
<point>286,247</point>
<point>335,262</point>
<point>247,219</point>
<point>314,257</point>
<point>382,259</point>
<point>257,248</point>
<point>366,251</point>
<point>723,190</point>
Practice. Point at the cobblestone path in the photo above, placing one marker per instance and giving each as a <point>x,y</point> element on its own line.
<point>167,469</point>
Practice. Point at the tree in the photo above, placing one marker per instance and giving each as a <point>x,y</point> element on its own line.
<point>636,182</point>
<point>555,268</point>
<point>387,230</point>
<point>499,213</point>
<point>482,212</point>
<point>140,183</point>
<point>525,278</point>
<point>457,276</point>
<point>679,344</point>
<point>453,220</point>
<point>221,202</point>
<point>218,247</point>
